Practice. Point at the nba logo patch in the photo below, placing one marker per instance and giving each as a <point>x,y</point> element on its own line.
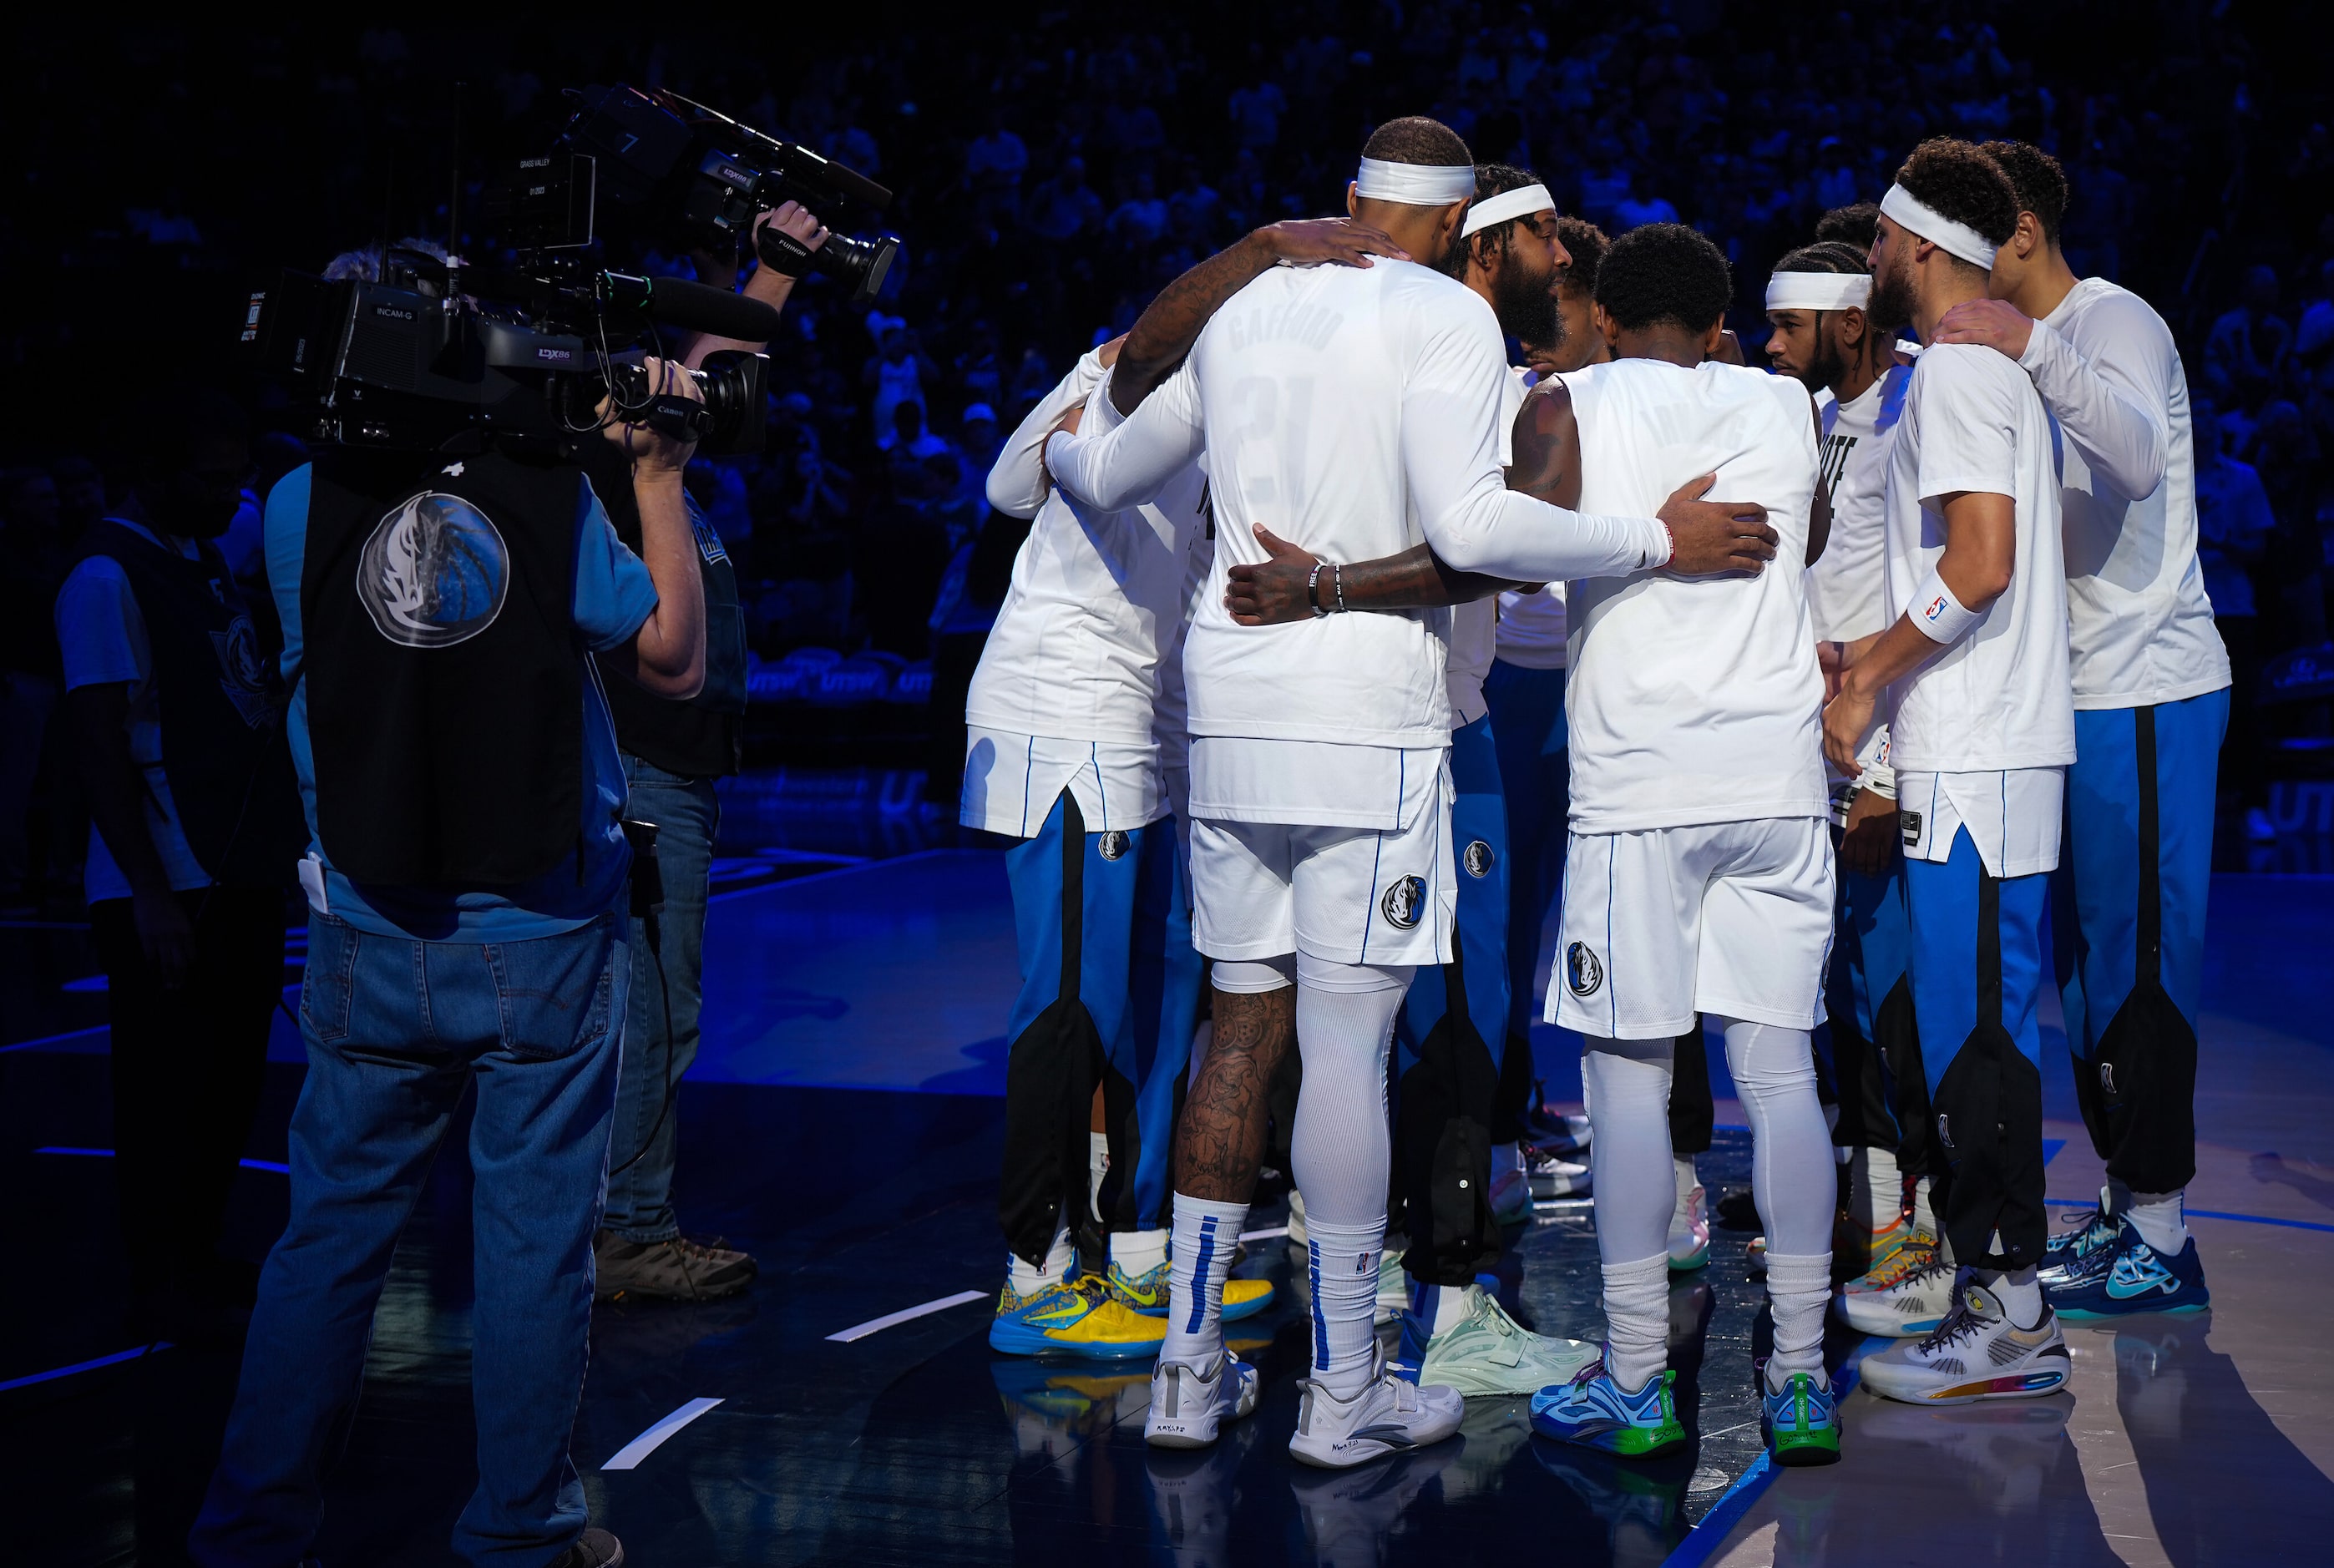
<point>1404,902</point>
<point>1583,970</point>
<point>1478,860</point>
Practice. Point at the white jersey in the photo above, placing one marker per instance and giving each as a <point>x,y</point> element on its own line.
<point>1847,587</point>
<point>1474,626</point>
<point>1695,700</point>
<point>2142,628</point>
<point>1354,411</point>
<point>1999,698</point>
<point>1098,601</point>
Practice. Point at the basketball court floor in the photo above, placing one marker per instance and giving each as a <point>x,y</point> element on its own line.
<point>845,1125</point>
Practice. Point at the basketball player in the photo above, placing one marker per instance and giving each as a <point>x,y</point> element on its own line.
<point>1064,752</point>
<point>1357,408</point>
<point>1982,729</point>
<point>2151,703</point>
<point>1718,799</point>
<point>1824,336</point>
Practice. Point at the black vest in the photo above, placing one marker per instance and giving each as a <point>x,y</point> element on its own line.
<point>223,747</point>
<point>703,737</point>
<point>445,684</point>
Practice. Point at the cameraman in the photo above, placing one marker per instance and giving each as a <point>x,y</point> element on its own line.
<point>466,882</point>
<point>674,751</point>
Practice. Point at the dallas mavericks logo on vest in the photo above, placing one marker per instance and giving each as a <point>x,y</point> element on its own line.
<point>434,571</point>
<point>243,674</point>
<point>1582,970</point>
<point>1404,902</point>
<point>1478,860</point>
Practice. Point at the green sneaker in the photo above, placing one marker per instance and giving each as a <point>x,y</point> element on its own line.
<point>1488,1353</point>
<point>1801,1424</point>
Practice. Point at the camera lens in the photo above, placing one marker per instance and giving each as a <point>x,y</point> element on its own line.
<point>861,262</point>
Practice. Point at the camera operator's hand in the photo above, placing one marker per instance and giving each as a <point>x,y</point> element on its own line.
<point>651,450</point>
<point>795,219</point>
<point>768,284</point>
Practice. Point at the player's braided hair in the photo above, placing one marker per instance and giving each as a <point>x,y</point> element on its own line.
<point>1586,245</point>
<point>1665,272</point>
<point>1824,256</point>
<point>2038,180</point>
<point>1416,138</point>
<point>1962,183</point>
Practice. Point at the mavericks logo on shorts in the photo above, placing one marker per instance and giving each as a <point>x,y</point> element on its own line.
<point>1582,969</point>
<point>1478,860</point>
<point>1404,902</point>
<point>1112,844</point>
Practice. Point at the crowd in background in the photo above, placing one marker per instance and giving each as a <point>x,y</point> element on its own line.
<point>1054,170</point>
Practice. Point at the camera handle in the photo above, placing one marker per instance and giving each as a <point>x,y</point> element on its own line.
<point>782,253</point>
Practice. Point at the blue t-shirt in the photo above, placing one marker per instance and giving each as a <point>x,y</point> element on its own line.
<point>614,595</point>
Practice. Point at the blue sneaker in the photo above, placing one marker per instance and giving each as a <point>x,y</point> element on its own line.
<point>1593,1411</point>
<point>1801,1424</point>
<point>2065,1255</point>
<point>2130,1276</point>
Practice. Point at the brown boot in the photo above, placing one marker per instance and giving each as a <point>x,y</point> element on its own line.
<point>674,1270</point>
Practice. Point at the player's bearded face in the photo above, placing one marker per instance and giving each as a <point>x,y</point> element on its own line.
<point>1892,290</point>
<point>1523,295</point>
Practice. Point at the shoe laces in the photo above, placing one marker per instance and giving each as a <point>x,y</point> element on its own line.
<point>1960,1323</point>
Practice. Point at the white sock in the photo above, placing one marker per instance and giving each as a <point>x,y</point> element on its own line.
<point>1924,1216</point>
<point>1060,1259</point>
<point>1206,1232</point>
<point>1875,1191</point>
<point>1138,1252</point>
<point>1437,1306</point>
<point>2018,1291</point>
<point>1637,1319</point>
<point>1344,1263</point>
<point>2162,1220</point>
<point>1798,1288</point>
<point>1097,1167</point>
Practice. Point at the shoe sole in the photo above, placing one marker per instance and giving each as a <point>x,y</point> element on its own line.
<point>1809,1449</point>
<point>1376,1451</point>
<point>2027,1386</point>
<point>1177,1438</point>
<point>1628,1442</point>
<point>1698,1258</point>
<point>1009,1339</point>
<point>2080,1314</point>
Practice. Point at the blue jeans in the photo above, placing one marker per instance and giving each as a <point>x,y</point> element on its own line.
<point>667,987</point>
<point>396,1031</point>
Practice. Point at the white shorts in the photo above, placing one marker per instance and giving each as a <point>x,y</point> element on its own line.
<point>1349,895</point>
<point>1733,918</point>
<point>2013,818</point>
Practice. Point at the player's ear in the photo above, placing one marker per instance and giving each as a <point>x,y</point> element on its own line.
<point>1353,199</point>
<point>2029,240</point>
<point>1852,327</point>
<point>1605,326</point>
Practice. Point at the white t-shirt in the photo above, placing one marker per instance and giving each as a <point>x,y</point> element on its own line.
<point>2142,628</point>
<point>102,635</point>
<point>1847,587</point>
<point>1999,697</point>
<point>1011,781</point>
<point>1693,700</point>
<point>1474,627</point>
<point>1354,411</point>
<point>1098,601</point>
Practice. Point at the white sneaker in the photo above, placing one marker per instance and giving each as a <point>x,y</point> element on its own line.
<point>1295,1217</point>
<point>1389,1416</point>
<point>1188,1403</point>
<point>1488,1353</point>
<point>1976,1353</point>
<point>1552,1176</point>
<point>1916,1303</point>
<point>1512,1196</point>
<point>1393,1287</point>
<point>1690,1230</point>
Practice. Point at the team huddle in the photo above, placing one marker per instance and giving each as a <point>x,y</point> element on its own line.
<point>1342,652</point>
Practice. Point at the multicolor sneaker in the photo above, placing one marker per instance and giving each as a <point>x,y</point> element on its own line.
<point>1596,1412</point>
<point>2129,1277</point>
<point>1913,1299</point>
<point>1976,1353</point>
<point>1076,1316</point>
<point>2066,1254</point>
<point>1393,1288</point>
<point>1690,1230</point>
<point>1885,1248</point>
<point>1488,1353</point>
<point>1189,1403</point>
<point>1801,1424</point>
<point>1146,1293</point>
<point>1512,1196</point>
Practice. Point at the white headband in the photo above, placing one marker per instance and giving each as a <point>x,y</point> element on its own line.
<point>1955,239</point>
<point>1415,184</point>
<point>1499,208</point>
<point>1818,291</point>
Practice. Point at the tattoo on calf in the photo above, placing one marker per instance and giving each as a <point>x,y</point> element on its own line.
<point>1220,1140</point>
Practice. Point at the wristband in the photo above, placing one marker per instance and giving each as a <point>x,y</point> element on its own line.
<point>1312,591</point>
<point>1338,580</point>
<point>1937,615</point>
<point>1671,534</point>
<point>781,252</point>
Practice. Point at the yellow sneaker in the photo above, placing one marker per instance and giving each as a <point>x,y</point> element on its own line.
<point>1146,1293</point>
<point>1076,1316</point>
<point>1905,1256</point>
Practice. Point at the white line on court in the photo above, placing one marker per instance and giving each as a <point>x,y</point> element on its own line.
<point>1266,1235</point>
<point>629,1455</point>
<point>892,1320</point>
